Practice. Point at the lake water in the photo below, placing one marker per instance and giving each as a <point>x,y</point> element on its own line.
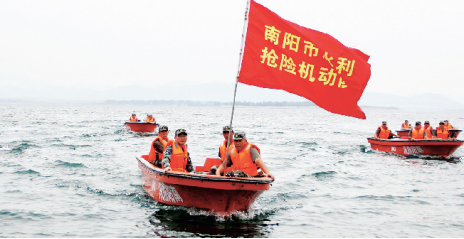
<point>72,172</point>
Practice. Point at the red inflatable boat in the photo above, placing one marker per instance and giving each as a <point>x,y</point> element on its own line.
<point>431,147</point>
<point>201,190</point>
<point>141,127</point>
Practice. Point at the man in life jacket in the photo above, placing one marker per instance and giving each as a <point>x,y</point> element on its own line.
<point>227,132</point>
<point>448,125</point>
<point>244,157</point>
<point>405,125</point>
<point>417,132</point>
<point>150,119</point>
<point>158,145</point>
<point>383,132</point>
<point>441,131</point>
<point>133,118</point>
<point>428,130</point>
<point>176,156</point>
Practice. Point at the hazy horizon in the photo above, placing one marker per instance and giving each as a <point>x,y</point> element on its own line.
<point>89,47</point>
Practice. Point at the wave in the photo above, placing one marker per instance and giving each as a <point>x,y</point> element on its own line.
<point>324,175</point>
<point>23,147</point>
<point>22,216</point>
<point>60,163</point>
<point>71,146</point>
<point>29,171</point>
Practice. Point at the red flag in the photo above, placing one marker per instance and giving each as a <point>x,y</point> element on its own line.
<point>280,54</point>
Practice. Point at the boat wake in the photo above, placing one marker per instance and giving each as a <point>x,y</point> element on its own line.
<point>177,221</point>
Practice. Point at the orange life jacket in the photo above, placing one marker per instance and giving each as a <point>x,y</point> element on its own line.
<point>405,126</point>
<point>442,134</point>
<point>153,155</point>
<point>150,119</point>
<point>417,134</point>
<point>133,119</point>
<point>179,157</point>
<point>428,131</point>
<point>222,149</point>
<point>384,133</point>
<point>448,126</point>
<point>242,160</point>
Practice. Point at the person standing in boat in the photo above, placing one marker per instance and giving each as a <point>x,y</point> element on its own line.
<point>441,131</point>
<point>150,119</point>
<point>244,157</point>
<point>133,118</point>
<point>428,130</point>
<point>227,132</point>
<point>417,132</point>
<point>405,125</point>
<point>383,132</point>
<point>156,154</point>
<point>176,156</point>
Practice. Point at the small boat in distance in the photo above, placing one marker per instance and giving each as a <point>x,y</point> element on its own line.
<point>141,127</point>
<point>201,190</point>
<point>430,147</point>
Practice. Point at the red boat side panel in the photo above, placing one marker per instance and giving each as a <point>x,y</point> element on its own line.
<point>141,127</point>
<point>217,200</point>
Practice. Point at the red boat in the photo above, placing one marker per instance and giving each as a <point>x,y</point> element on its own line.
<point>141,127</point>
<point>201,190</point>
<point>431,147</point>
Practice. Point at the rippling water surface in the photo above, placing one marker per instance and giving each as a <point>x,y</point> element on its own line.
<point>72,172</point>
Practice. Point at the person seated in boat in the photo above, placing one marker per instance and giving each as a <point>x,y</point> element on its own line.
<point>176,156</point>
<point>383,132</point>
<point>244,157</point>
<point>417,132</point>
<point>448,125</point>
<point>158,145</point>
<point>133,118</point>
<point>428,130</point>
<point>227,132</point>
<point>150,119</point>
<point>405,125</point>
<point>441,131</point>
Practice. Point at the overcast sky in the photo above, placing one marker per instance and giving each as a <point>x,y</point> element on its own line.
<point>415,46</point>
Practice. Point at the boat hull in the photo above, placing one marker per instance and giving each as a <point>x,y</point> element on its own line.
<point>431,147</point>
<point>220,194</point>
<point>141,127</point>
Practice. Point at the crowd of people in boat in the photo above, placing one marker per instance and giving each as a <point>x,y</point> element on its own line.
<point>418,131</point>
<point>241,158</point>
<point>148,119</point>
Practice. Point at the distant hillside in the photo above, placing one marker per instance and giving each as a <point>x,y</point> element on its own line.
<point>424,102</point>
<point>215,93</point>
<point>208,103</point>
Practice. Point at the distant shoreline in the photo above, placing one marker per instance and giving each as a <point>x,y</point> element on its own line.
<point>181,103</point>
<point>217,103</point>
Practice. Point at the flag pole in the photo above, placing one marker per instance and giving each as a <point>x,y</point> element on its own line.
<point>239,67</point>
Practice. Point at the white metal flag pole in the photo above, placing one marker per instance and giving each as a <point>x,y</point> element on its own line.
<point>239,67</point>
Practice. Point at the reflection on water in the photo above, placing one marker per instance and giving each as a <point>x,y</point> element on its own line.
<point>172,221</point>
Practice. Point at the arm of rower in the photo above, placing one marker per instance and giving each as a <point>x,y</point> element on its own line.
<point>263,167</point>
